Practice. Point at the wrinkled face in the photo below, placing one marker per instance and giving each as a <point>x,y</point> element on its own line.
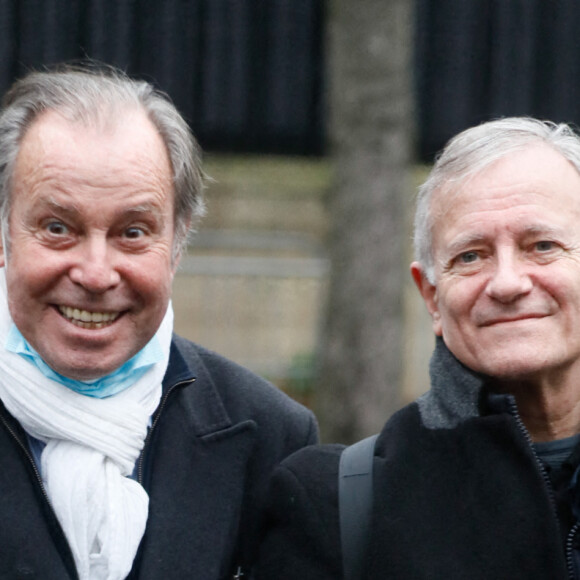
<point>507,267</point>
<point>89,270</point>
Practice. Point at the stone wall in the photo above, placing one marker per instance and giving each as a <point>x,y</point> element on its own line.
<point>252,285</point>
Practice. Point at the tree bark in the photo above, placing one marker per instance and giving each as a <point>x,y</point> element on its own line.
<point>371,134</point>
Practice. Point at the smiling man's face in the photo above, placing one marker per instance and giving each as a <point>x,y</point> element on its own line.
<point>506,298</point>
<point>89,269</point>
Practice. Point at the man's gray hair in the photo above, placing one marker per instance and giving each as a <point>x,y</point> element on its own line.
<point>472,151</point>
<point>93,94</point>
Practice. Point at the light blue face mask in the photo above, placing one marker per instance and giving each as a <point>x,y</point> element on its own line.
<point>106,386</point>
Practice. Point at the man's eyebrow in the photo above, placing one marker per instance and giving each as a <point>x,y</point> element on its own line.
<point>464,241</point>
<point>144,208</point>
<point>542,229</point>
<point>58,206</point>
<point>73,210</point>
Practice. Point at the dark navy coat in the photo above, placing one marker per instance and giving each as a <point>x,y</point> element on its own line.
<point>218,433</point>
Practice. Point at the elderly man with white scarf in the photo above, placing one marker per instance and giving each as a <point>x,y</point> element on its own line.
<point>127,452</point>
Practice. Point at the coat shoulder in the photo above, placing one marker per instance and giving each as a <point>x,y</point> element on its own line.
<point>244,394</point>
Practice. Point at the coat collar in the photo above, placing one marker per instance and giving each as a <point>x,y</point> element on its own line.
<point>197,472</point>
<point>455,394</point>
<point>204,403</point>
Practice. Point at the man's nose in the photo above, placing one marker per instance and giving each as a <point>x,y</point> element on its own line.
<point>509,279</point>
<point>94,267</point>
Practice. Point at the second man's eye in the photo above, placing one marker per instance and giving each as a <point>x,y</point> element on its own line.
<point>468,257</point>
<point>544,246</point>
<point>134,233</point>
<point>57,228</point>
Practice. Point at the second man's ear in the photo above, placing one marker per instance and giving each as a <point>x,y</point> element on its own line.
<point>3,248</point>
<point>428,292</point>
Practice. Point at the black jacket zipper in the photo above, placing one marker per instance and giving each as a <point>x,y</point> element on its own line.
<point>141,460</point>
<point>570,538</point>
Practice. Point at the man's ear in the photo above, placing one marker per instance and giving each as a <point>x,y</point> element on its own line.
<point>180,235</point>
<point>2,250</point>
<point>429,293</point>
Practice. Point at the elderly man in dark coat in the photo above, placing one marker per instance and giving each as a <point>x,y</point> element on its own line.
<point>127,452</point>
<point>477,479</point>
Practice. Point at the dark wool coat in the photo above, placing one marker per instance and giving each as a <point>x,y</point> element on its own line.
<point>215,438</point>
<point>459,494</point>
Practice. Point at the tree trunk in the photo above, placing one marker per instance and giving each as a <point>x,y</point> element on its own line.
<point>371,133</point>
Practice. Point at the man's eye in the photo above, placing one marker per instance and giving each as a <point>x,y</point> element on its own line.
<point>134,233</point>
<point>544,246</point>
<point>57,228</point>
<point>468,257</point>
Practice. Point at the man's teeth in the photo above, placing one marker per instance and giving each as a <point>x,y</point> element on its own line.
<point>95,319</point>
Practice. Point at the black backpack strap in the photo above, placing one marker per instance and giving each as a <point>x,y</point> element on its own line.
<point>355,503</point>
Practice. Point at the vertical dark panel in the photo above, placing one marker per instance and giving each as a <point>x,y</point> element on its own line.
<point>8,43</point>
<point>454,68</point>
<point>166,48</point>
<point>226,70</point>
<point>512,65</point>
<point>290,70</point>
<point>48,32</point>
<point>422,78</point>
<point>159,50</point>
<point>189,73</point>
<point>261,75</point>
<point>108,30</point>
<point>557,90</point>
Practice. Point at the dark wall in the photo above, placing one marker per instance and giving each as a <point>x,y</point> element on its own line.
<point>247,74</point>
<point>482,59</point>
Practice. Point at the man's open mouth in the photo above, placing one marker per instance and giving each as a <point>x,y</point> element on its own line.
<point>88,319</point>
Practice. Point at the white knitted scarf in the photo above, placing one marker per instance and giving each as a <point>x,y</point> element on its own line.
<point>91,447</point>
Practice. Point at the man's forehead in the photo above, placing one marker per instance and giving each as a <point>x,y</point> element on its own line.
<point>102,123</point>
<point>533,191</point>
<point>535,164</point>
<point>132,137</point>
<point>62,160</point>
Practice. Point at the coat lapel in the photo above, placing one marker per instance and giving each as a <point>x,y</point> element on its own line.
<point>196,478</point>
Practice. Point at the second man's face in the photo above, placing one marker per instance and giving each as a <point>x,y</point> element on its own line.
<point>507,267</point>
<point>89,270</point>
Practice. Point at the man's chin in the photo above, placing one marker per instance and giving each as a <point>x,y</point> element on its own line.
<point>505,361</point>
<point>84,371</point>
<point>521,368</point>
